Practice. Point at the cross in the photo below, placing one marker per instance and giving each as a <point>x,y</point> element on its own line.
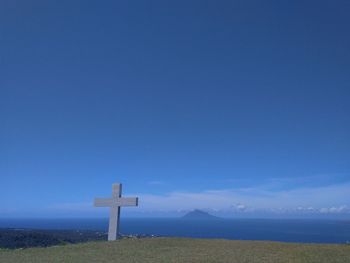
<point>115,203</point>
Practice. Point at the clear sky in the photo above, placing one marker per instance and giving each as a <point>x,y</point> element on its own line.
<point>238,106</point>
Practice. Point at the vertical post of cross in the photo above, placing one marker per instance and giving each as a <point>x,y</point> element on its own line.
<point>114,213</point>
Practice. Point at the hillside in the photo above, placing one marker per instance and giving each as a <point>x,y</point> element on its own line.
<point>181,250</point>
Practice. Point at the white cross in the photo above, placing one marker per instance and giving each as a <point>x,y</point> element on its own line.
<point>115,203</point>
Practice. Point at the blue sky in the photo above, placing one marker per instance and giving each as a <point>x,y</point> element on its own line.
<point>234,106</point>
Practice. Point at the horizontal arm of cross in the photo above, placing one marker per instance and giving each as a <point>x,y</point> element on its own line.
<point>102,202</point>
<point>122,201</point>
<point>128,201</point>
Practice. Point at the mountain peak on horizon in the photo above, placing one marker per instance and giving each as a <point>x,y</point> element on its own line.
<point>198,214</point>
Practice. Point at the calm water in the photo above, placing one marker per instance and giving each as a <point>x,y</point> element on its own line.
<point>315,231</point>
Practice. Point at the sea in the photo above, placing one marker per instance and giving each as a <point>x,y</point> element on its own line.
<point>286,230</point>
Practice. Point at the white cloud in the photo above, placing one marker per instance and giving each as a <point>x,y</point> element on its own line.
<point>333,199</point>
<point>246,199</point>
<point>335,210</point>
<point>239,207</point>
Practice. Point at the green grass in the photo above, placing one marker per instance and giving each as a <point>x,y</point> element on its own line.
<point>181,250</point>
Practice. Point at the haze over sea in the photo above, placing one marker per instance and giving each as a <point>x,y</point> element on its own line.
<point>287,230</point>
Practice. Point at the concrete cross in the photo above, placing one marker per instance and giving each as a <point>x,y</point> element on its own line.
<point>115,203</point>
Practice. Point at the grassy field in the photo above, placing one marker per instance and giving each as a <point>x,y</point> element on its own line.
<point>181,250</point>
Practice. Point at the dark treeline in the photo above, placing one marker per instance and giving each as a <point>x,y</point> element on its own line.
<point>23,238</point>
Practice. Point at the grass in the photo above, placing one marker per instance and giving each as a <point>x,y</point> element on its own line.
<point>181,250</point>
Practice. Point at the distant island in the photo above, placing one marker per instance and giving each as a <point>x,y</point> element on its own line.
<point>199,215</point>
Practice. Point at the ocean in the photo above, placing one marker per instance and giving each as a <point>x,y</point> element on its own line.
<point>305,231</point>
